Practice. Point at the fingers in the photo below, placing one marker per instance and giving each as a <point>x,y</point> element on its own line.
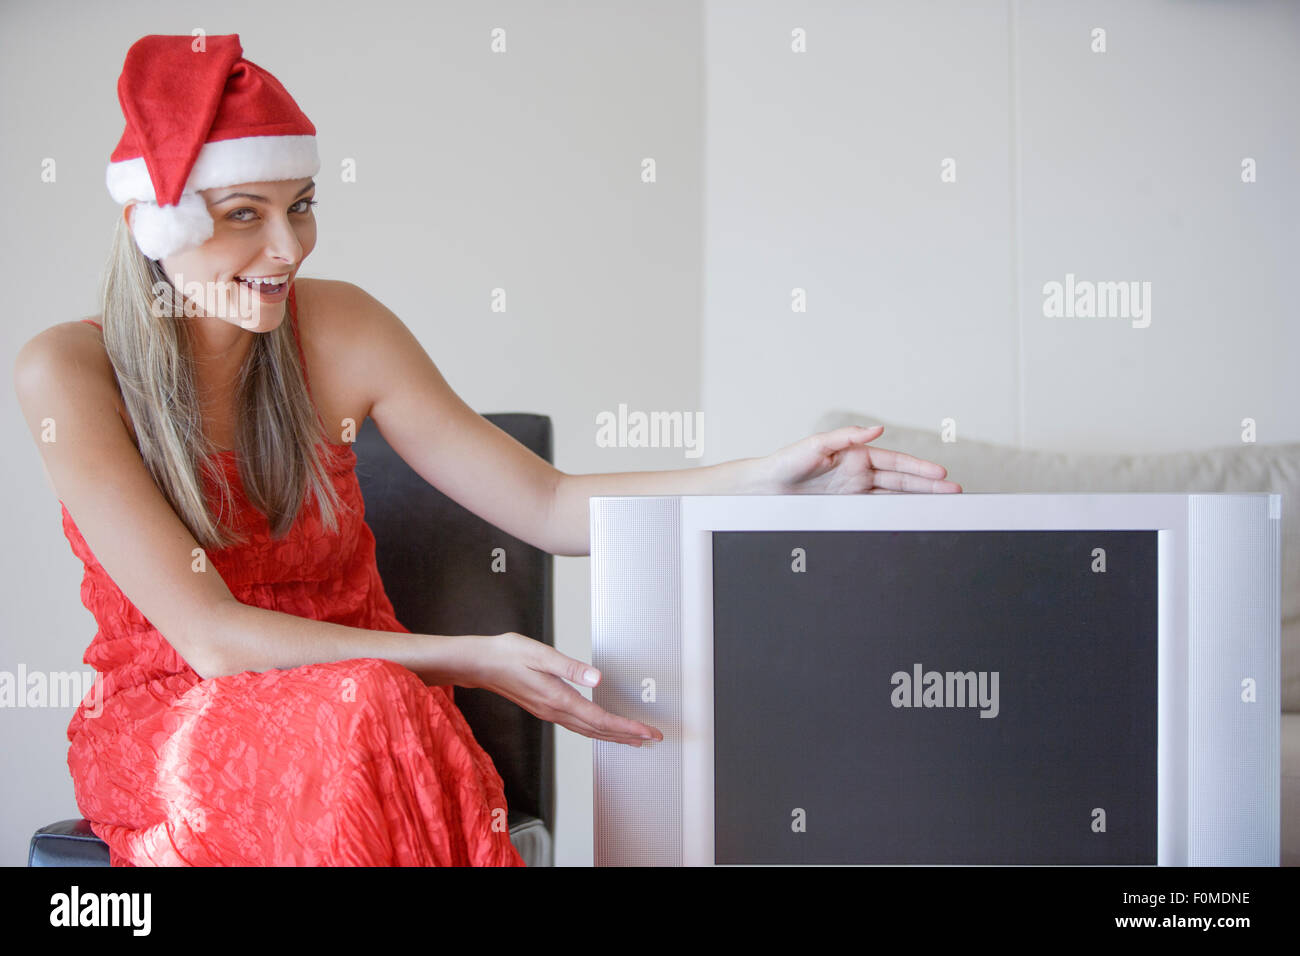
<point>570,709</point>
<point>897,471</point>
<point>882,459</point>
<point>893,481</point>
<point>588,731</point>
<point>893,470</point>
<point>595,733</point>
<point>827,443</point>
<point>603,722</point>
<point>571,669</point>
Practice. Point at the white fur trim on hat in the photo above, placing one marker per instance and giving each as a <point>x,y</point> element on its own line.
<point>167,230</point>
<point>226,162</point>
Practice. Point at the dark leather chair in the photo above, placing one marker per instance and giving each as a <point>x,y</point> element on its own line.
<point>436,560</point>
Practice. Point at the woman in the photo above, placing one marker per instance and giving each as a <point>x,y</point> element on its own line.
<point>198,435</point>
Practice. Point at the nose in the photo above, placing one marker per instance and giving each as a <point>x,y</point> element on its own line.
<point>282,241</point>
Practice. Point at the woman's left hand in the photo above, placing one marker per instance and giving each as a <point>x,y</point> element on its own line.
<point>840,463</point>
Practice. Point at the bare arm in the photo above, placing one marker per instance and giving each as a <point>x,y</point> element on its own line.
<point>840,461</point>
<point>571,517</point>
<point>446,442</point>
<point>62,376</point>
<point>522,670</point>
<point>469,459</point>
<point>258,639</point>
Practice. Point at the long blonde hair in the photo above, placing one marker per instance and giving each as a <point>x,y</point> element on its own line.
<point>276,424</point>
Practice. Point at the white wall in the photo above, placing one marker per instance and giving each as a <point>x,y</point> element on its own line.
<point>925,298</point>
<point>474,171</point>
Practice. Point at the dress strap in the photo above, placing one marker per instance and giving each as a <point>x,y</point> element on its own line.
<point>302,358</point>
<point>297,339</point>
<point>94,323</point>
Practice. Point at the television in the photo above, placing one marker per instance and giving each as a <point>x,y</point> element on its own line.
<point>972,679</point>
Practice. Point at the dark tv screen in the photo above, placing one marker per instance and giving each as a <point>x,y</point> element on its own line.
<point>935,697</point>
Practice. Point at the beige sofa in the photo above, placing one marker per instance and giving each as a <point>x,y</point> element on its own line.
<point>986,467</point>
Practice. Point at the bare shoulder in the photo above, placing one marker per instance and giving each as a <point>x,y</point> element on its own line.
<point>337,320</point>
<point>67,366</point>
<point>73,348</point>
<point>337,310</point>
<point>345,334</point>
<point>68,395</point>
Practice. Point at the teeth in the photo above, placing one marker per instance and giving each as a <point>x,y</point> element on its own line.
<point>267,280</point>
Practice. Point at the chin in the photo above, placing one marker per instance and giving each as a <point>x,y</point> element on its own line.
<point>268,319</point>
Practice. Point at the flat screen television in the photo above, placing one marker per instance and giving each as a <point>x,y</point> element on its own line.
<point>1042,679</point>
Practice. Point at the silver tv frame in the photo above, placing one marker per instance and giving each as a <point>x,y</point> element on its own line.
<point>1219,569</point>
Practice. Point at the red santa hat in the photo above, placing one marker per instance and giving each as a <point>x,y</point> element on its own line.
<point>199,116</point>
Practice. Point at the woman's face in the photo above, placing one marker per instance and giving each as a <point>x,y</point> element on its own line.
<point>259,231</point>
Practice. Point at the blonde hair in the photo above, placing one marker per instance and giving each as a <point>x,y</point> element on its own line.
<point>277,427</point>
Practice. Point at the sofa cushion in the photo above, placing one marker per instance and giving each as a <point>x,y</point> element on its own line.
<point>987,467</point>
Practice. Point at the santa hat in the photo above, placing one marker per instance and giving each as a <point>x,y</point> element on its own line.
<point>199,116</point>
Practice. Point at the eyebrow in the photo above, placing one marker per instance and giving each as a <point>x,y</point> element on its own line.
<point>311,185</point>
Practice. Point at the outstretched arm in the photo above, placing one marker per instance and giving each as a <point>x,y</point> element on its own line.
<point>486,471</point>
<point>571,513</point>
<point>451,446</point>
<point>828,463</point>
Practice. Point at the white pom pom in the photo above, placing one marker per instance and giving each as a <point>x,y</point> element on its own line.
<point>166,230</point>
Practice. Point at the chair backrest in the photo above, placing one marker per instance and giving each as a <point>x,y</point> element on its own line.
<point>436,560</point>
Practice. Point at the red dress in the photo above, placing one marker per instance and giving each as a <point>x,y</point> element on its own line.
<point>352,762</point>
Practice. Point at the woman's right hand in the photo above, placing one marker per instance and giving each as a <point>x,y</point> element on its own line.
<point>533,675</point>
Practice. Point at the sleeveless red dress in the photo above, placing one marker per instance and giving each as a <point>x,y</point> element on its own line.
<point>354,762</point>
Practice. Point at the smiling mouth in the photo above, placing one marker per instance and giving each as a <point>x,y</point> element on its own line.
<point>270,285</point>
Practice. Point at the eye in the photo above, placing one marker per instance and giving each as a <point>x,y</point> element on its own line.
<point>237,215</point>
